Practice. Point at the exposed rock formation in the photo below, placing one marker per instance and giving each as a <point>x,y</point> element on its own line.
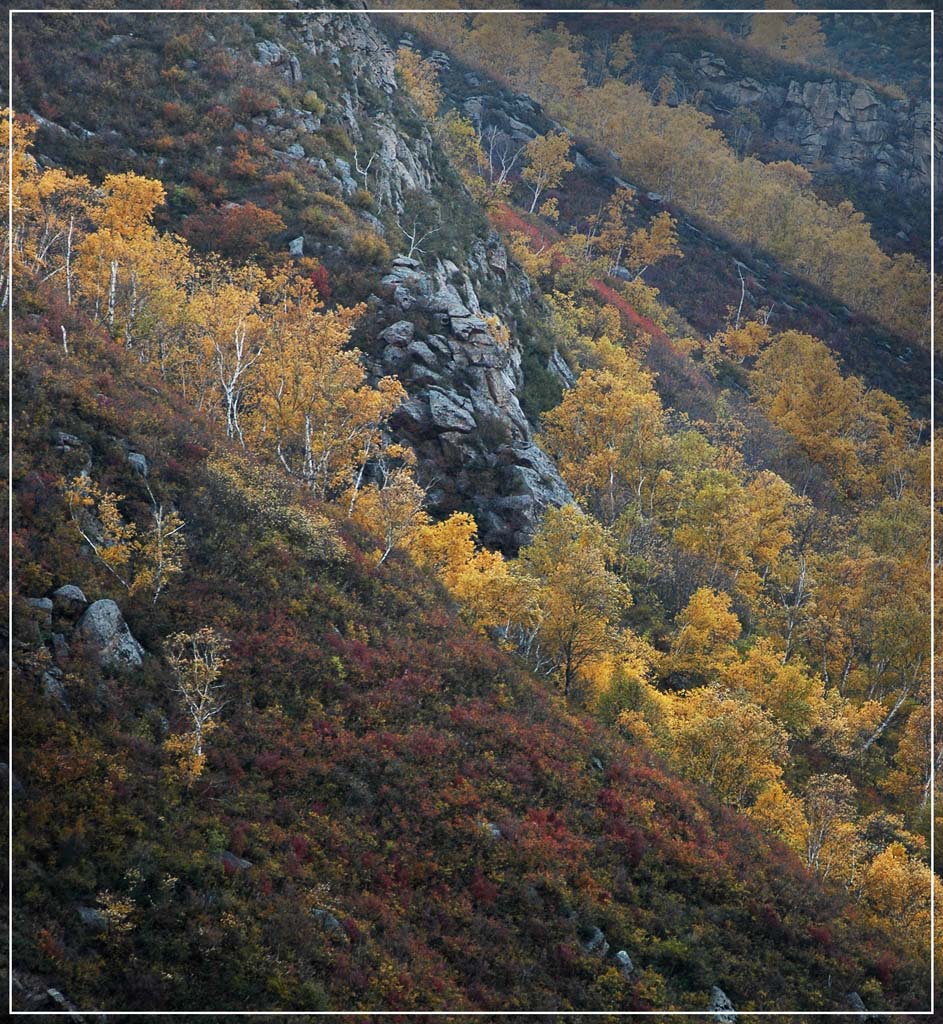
<point>463,416</point>
<point>721,1006</point>
<point>456,355</point>
<point>107,636</point>
<point>844,123</point>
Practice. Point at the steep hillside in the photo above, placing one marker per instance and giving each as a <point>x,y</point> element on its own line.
<point>706,283</point>
<point>450,575</point>
<point>347,191</point>
<point>393,814</point>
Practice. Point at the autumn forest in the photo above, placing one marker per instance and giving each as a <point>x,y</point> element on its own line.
<point>471,504</point>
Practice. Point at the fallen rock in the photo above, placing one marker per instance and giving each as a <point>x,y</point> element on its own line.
<point>625,963</point>
<point>69,601</point>
<point>721,1006</point>
<point>104,631</point>
<point>595,942</point>
<point>43,609</point>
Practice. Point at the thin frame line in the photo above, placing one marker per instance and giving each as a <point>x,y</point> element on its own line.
<point>459,10</point>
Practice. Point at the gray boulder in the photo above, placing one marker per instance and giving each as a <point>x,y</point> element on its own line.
<point>721,1006</point>
<point>399,334</point>
<point>330,924</point>
<point>624,961</point>
<point>450,411</point>
<point>61,650</point>
<point>69,600</point>
<point>54,688</point>
<point>137,462</point>
<point>595,943</point>
<point>104,631</point>
<point>42,609</point>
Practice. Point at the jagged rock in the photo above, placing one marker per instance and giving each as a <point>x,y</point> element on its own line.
<point>104,631</point>
<point>450,412</point>
<point>347,182</point>
<point>64,440</point>
<point>498,259</point>
<point>535,475</point>
<point>595,943</point>
<point>857,1005</point>
<point>584,165</point>
<point>54,688</point>
<point>399,334</point>
<point>61,650</point>
<point>92,918</point>
<point>138,463</point>
<point>557,365</point>
<point>625,963</point>
<point>68,600</point>
<point>271,54</point>
<point>419,351</point>
<point>233,863</point>
<point>42,607</point>
<point>296,247</point>
<point>711,66</point>
<point>465,326</point>
<point>721,1006</point>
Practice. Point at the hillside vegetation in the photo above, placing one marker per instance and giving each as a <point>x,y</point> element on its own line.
<point>412,609</point>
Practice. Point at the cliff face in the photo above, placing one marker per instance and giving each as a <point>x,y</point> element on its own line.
<point>843,123</point>
<point>457,352</point>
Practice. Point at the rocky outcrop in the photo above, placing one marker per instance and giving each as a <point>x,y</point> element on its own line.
<point>463,416</point>
<point>843,123</point>
<point>721,1007</point>
<point>456,354</point>
<point>106,635</point>
<point>595,943</point>
<point>69,600</point>
<point>626,967</point>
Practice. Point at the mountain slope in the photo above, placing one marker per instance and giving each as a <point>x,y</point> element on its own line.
<point>425,826</point>
<point>384,807</point>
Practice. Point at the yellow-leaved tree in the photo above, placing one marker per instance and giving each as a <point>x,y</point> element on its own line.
<point>142,561</point>
<point>313,405</point>
<point>580,599</point>
<point>707,628</point>
<point>608,438</point>
<point>197,660</point>
<point>733,746</point>
<point>546,161</point>
<point>490,595</point>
